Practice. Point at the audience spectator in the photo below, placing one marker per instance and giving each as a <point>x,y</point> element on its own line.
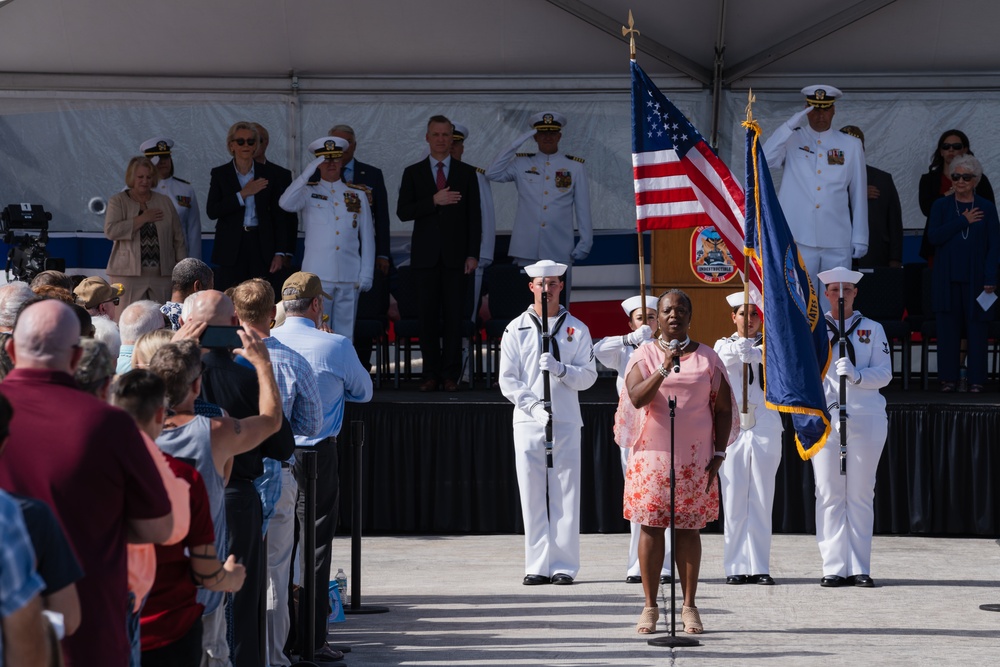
<point>96,368</point>
<point>302,406</point>
<point>937,183</point>
<point>189,276</point>
<point>139,318</point>
<point>55,292</point>
<point>13,296</point>
<point>107,332</point>
<point>22,626</point>
<point>55,278</point>
<point>148,344</point>
<point>341,378</point>
<point>93,472</point>
<point>98,297</point>
<point>147,235</point>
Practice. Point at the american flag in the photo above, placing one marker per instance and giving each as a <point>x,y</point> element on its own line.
<point>679,180</point>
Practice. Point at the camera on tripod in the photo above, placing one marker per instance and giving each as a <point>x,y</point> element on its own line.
<point>25,229</point>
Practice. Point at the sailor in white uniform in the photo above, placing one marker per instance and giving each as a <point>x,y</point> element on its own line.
<point>747,475</point>
<point>551,189</point>
<point>845,513</point>
<point>550,497</point>
<point>179,191</point>
<point>615,352</point>
<point>824,185</point>
<point>339,232</point>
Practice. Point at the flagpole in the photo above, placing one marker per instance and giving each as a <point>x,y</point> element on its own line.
<point>671,640</point>
<point>744,417</point>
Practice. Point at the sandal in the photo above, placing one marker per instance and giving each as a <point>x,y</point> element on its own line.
<point>647,621</point>
<point>692,620</point>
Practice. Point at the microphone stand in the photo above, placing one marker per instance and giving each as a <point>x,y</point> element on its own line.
<point>843,389</point>
<point>547,386</point>
<point>673,640</point>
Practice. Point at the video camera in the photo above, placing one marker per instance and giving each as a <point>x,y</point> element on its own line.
<point>25,228</point>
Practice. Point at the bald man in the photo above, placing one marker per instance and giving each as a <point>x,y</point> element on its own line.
<point>234,388</point>
<point>109,491</point>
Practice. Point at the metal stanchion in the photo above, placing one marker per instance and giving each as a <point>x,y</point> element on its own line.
<point>358,442</point>
<point>308,644</point>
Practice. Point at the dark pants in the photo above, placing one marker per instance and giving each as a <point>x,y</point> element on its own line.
<point>249,264</point>
<point>246,542</point>
<point>327,511</point>
<point>185,652</point>
<point>442,300</point>
<point>964,316</point>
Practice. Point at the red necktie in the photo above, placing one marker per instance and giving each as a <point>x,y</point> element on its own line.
<point>442,182</point>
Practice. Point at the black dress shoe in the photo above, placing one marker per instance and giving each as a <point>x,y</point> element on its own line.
<point>737,579</point>
<point>633,579</point>
<point>666,579</point>
<point>450,385</point>
<point>761,580</point>
<point>562,579</point>
<point>832,581</point>
<point>863,581</point>
<point>535,580</point>
<point>429,385</point>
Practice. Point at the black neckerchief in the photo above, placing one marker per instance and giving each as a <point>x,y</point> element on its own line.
<point>554,324</point>
<point>834,328</point>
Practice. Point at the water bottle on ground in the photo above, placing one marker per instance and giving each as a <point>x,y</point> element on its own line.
<point>341,580</point>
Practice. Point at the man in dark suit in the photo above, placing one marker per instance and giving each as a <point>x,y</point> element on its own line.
<point>252,238</point>
<point>441,196</point>
<point>885,216</point>
<point>280,181</point>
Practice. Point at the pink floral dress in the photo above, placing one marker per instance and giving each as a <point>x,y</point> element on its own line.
<point>647,431</point>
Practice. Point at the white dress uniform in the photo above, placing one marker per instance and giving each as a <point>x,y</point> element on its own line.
<point>824,187</point>
<point>747,475</point>
<point>489,238</point>
<point>550,190</point>
<point>182,194</point>
<point>614,352</point>
<point>550,497</point>
<point>339,242</point>
<point>845,513</point>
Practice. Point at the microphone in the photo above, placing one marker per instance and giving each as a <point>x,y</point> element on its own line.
<point>676,347</point>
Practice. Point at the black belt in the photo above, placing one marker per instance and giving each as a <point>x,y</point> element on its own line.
<point>331,440</point>
<point>251,229</point>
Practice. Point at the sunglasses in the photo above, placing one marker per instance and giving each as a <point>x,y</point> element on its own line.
<point>114,300</point>
<point>963,177</point>
<point>953,147</point>
<point>240,141</point>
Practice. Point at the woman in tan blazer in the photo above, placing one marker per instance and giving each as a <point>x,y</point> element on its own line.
<point>147,234</point>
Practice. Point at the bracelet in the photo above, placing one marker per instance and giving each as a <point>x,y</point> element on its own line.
<point>664,371</point>
<point>721,454</point>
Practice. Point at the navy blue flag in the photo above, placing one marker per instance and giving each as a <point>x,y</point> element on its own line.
<point>796,346</point>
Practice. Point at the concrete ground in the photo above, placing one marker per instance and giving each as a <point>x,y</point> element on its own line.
<point>458,600</point>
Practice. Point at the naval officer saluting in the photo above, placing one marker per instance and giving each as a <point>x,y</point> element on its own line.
<point>824,186</point>
<point>551,189</point>
<point>550,497</point>
<point>180,192</point>
<point>339,233</point>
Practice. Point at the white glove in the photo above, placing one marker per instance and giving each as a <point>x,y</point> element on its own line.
<point>796,120</point>
<point>579,253</point>
<point>640,335</point>
<point>366,285</point>
<point>547,362</point>
<point>858,251</point>
<point>847,369</point>
<point>540,414</point>
<point>313,166</point>
<point>530,134</point>
<point>745,350</point>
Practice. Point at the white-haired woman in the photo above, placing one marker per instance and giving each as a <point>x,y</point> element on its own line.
<point>965,232</point>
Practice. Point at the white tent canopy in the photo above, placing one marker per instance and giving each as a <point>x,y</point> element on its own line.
<point>85,81</point>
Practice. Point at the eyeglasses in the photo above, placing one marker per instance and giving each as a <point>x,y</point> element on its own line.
<point>953,147</point>
<point>963,177</point>
<point>114,300</point>
<point>239,141</point>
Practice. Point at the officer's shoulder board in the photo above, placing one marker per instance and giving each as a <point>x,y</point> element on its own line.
<point>525,155</point>
<point>360,186</point>
<point>316,182</point>
<point>578,159</point>
<point>480,170</point>
<point>181,180</point>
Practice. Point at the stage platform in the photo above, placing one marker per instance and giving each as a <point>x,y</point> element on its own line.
<point>442,463</point>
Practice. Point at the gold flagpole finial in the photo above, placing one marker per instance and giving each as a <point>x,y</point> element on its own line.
<point>630,32</point>
<point>751,98</point>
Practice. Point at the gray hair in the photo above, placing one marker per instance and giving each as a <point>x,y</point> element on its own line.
<point>106,331</point>
<point>96,366</point>
<point>969,163</point>
<point>346,129</point>
<point>139,318</point>
<point>295,306</point>
<point>188,306</point>
<point>187,271</point>
<point>13,295</point>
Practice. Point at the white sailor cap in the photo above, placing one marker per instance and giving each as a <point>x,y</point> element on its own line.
<point>548,121</point>
<point>545,268</point>
<point>156,147</point>
<point>840,275</point>
<point>821,95</point>
<point>329,147</point>
<point>735,300</point>
<point>460,133</point>
<point>633,302</point>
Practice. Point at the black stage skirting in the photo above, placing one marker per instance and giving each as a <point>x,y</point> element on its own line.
<point>444,463</point>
